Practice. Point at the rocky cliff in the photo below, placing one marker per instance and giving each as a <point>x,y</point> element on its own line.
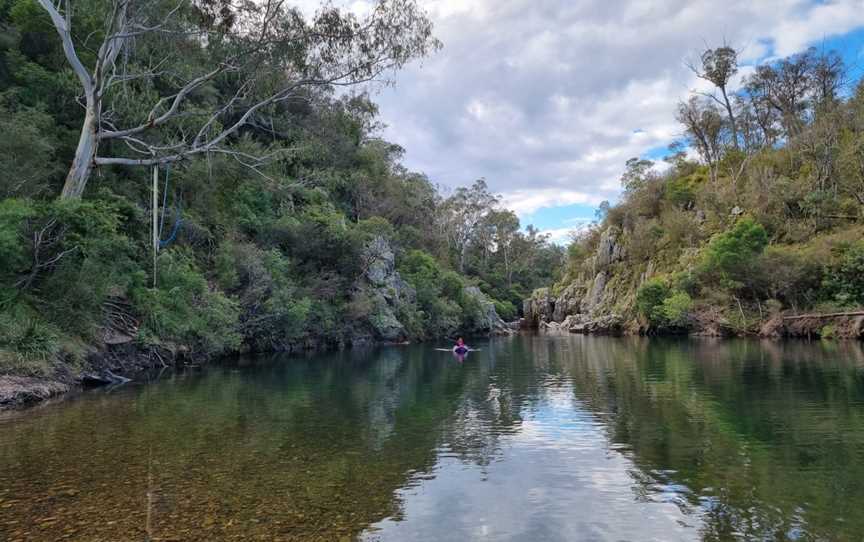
<point>485,319</point>
<point>384,292</point>
<point>601,299</point>
<point>593,302</point>
<point>384,297</point>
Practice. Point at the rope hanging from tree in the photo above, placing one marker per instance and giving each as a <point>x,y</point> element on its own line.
<point>159,223</point>
<point>178,218</point>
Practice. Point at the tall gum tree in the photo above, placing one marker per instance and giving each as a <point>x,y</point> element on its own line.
<point>263,52</point>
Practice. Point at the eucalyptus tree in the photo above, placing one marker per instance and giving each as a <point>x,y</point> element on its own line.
<point>785,87</point>
<point>718,67</point>
<point>503,226</point>
<point>462,214</point>
<point>704,127</point>
<point>174,79</point>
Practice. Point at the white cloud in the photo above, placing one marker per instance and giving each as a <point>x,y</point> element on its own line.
<point>547,100</point>
<point>563,236</point>
<point>824,20</point>
<point>527,201</point>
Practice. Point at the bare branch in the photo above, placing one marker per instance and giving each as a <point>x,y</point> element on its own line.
<point>63,30</point>
<point>152,119</point>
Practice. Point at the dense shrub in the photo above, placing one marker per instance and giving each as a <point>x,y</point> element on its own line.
<point>844,281</point>
<point>183,309</point>
<point>787,274</point>
<point>506,310</point>
<point>663,306</point>
<point>438,293</point>
<point>731,254</point>
<point>27,343</point>
<point>675,309</point>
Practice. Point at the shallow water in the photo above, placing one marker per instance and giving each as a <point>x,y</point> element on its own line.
<point>533,438</point>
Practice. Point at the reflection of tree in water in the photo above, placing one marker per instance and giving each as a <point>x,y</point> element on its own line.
<point>294,449</point>
<point>764,442</point>
<point>767,436</point>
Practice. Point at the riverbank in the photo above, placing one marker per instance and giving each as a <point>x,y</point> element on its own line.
<point>809,289</point>
<point>118,364</point>
<point>843,325</point>
<point>102,367</point>
<point>383,309</point>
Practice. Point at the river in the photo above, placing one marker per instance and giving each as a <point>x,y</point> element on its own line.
<point>533,438</point>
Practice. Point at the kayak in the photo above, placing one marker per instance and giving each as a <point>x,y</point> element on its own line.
<point>463,350</point>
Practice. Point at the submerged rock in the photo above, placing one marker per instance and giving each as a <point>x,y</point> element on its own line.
<point>610,324</point>
<point>102,378</point>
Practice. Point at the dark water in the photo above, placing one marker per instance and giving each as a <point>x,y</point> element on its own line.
<point>534,438</point>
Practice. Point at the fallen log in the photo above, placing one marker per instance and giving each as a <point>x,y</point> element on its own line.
<point>826,315</point>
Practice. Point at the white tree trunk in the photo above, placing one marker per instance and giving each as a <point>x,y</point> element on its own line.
<point>85,155</point>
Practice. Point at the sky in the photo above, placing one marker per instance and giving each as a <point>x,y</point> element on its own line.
<point>547,99</point>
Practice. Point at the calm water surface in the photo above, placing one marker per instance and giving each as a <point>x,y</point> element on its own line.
<point>534,438</point>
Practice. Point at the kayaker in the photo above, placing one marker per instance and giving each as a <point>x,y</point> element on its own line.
<point>460,347</point>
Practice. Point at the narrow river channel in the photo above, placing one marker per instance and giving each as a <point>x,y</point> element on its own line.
<point>533,438</point>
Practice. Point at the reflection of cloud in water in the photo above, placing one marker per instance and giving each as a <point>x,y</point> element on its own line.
<point>555,479</point>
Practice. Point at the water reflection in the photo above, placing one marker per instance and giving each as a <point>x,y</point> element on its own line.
<point>534,438</point>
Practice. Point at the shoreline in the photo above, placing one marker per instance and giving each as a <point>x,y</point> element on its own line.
<point>18,392</point>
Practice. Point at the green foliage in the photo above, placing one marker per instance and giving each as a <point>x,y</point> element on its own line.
<point>844,280</point>
<point>731,254</point>
<point>663,306</point>
<point>27,343</point>
<point>637,174</point>
<point>788,274</point>
<point>27,149</point>
<point>681,191</point>
<point>63,257</point>
<point>183,309</point>
<point>650,297</point>
<point>438,293</point>
<point>13,246</point>
<point>506,310</point>
<point>675,309</point>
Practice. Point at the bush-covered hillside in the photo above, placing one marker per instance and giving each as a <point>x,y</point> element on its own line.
<point>765,217</point>
<point>268,210</point>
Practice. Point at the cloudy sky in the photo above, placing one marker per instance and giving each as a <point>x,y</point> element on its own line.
<point>547,99</point>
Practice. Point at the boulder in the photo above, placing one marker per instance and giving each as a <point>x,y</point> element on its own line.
<point>540,307</point>
<point>569,302</point>
<point>610,324</point>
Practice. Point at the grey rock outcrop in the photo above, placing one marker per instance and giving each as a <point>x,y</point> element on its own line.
<point>569,302</point>
<point>609,324</point>
<point>381,295</point>
<point>486,318</point>
<point>539,307</point>
<point>609,250</point>
<point>585,305</point>
<point>385,290</point>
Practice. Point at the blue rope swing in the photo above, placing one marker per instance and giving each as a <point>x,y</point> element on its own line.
<point>178,218</point>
